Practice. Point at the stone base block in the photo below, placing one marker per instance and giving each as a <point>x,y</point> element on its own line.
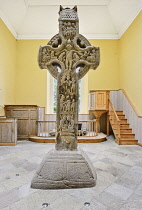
<point>64,170</point>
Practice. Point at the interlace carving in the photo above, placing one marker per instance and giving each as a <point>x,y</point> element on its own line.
<point>62,56</point>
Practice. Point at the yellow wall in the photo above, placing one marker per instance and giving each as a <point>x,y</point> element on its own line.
<point>106,76</point>
<point>30,79</point>
<point>22,81</point>
<point>7,66</point>
<point>131,62</point>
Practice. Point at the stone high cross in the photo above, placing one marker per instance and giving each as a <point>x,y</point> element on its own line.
<point>68,56</point>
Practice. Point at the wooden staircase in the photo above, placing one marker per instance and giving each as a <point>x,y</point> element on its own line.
<point>121,128</point>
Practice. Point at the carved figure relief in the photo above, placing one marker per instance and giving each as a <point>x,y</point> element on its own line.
<point>68,51</point>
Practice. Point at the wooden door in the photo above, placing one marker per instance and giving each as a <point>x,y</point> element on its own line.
<point>101,100</point>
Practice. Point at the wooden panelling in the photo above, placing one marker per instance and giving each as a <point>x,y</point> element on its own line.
<point>33,128</point>
<point>98,100</point>
<point>26,119</point>
<point>7,144</point>
<point>101,100</point>
<point>8,132</point>
<point>22,128</point>
<point>41,113</point>
<point>98,105</point>
<point>92,100</point>
<point>20,113</point>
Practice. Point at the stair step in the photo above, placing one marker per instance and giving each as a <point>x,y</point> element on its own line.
<point>122,121</point>
<point>125,141</point>
<point>122,126</point>
<point>125,125</point>
<point>119,112</point>
<point>121,116</point>
<point>124,130</point>
<point>126,135</point>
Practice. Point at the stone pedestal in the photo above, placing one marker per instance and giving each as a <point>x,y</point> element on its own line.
<point>64,170</point>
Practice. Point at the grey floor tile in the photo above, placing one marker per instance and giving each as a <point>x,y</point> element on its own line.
<point>95,205</point>
<point>119,176</point>
<point>84,194</point>
<point>136,169</point>
<point>2,188</point>
<point>138,191</point>
<point>19,163</point>
<point>66,202</point>
<point>133,175</point>
<point>30,166</point>
<point>6,208</point>
<point>127,182</point>
<point>6,167</point>
<point>109,200</point>
<point>14,182</point>
<point>119,191</point>
<point>134,203</point>
<point>7,198</point>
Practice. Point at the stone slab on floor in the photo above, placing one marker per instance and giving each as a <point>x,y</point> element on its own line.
<point>64,170</point>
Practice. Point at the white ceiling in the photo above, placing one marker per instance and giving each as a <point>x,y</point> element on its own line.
<point>98,19</point>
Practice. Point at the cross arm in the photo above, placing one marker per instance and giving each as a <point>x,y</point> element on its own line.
<point>89,59</point>
<point>49,58</point>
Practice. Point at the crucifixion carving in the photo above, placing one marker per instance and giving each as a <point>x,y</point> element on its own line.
<point>68,56</point>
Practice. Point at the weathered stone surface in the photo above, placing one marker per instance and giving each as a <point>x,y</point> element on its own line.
<point>68,56</point>
<point>65,169</point>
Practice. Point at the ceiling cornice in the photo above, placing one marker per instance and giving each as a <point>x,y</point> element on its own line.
<point>88,36</point>
<point>68,2</point>
<point>118,35</point>
<point>130,20</point>
<point>8,24</point>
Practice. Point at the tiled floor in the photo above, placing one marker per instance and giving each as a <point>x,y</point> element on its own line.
<point>119,183</point>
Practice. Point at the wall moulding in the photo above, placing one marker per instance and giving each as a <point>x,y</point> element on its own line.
<point>129,100</point>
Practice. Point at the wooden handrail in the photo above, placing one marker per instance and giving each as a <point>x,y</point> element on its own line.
<point>45,126</point>
<point>44,121</point>
<point>131,103</point>
<point>115,120</point>
<point>88,120</point>
<point>110,103</point>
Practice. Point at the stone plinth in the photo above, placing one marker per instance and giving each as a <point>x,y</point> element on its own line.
<point>64,170</point>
